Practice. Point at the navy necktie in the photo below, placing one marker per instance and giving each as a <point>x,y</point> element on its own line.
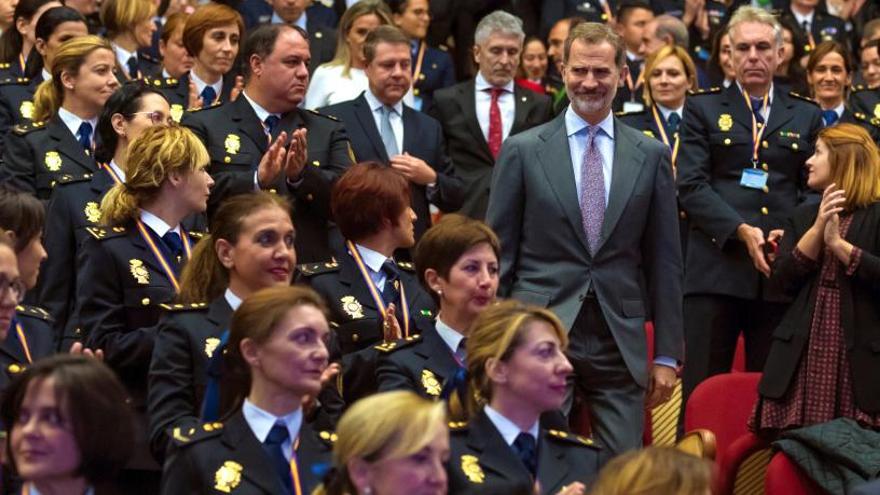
<point>84,136</point>
<point>830,117</point>
<point>132,67</point>
<point>174,244</point>
<point>277,436</point>
<point>208,96</point>
<point>757,106</point>
<point>526,449</point>
<point>271,123</point>
<point>390,294</point>
<point>672,122</point>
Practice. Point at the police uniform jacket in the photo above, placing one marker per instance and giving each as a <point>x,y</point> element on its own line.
<point>320,26</point>
<point>36,324</point>
<point>228,458</point>
<point>481,462</point>
<point>37,155</point>
<point>16,102</point>
<point>147,66</point>
<point>716,146</point>
<point>176,91</point>
<point>872,125</point>
<point>866,101</point>
<point>436,72</point>
<point>352,308</point>
<point>423,365</point>
<point>236,141</point>
<point>824,27</point>
<point>187,338</point>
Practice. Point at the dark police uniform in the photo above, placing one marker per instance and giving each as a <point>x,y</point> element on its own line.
<point>39,154</point>
<point>228,458</point>
<point>824,27</point>
<point>481,462</point>
<point>16,103</point>
<point>36,325</point>
<point>176,91</point>
<point>147,66</point>
<point>872,125</point>
<point>436,72</point>
<point>186,340</point>
<point>423,365</point>
<point>236,141</point>
<point>724,293</point>
<point>866,101</point>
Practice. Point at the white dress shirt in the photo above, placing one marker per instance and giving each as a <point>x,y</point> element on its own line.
<point>119,172</point>
<point>122,55</point>
<point>200,85</point>
<point>261,422</point>
<point>801,18</point>
<point>396,117</point>
<point>73,122</point>
<point>157,224</point>
<point>665,112</point>
<point>31,489</point>
<point>506,428</point>
<point>233,300</point>
<point>450,336</point>
<point>576,130</point>
<point>506,103</point>
<point>766,111</point>
<point>374,261</point>
<point>302,22</point>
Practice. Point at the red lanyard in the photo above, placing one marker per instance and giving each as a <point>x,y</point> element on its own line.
<point>662,128</point>
<point>24,344</point>
<point>374,291</point>
<point>161,257</point>
<point>757,130</point>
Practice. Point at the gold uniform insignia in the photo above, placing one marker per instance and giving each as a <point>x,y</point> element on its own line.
<point>430,382</point>
<point>27,109</point>
<point>53,161</point>
<point>648,132</point>
<point>93,212</point>
<point>352,307</point>
<point>228,476</point>
<point>232,144</point>
<point>139,271</point>
<point>177,112</point>
<point>877,110</point>
<point>470,465</point>
<point>211,344</point>
<point>725,122</point>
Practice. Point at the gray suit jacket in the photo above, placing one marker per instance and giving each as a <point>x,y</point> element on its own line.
<point>871,488</point>
<point>637,269</point>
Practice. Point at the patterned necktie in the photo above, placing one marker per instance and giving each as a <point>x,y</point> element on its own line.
<point>526,449</point>
<point>496,129</point>
<point>84,136</point>
<point>271,123</point>
<point>461,351</point>
<point>592,190</point>
<point>132,64</point>
<point>672,123</point>
<point>208,96</point>
<point>387,132</point>
<point>277,436</point>
<point>830,117</point>
<point>757,106</point>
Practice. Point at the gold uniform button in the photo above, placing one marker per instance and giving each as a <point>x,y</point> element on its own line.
<point>794,146</point>
<point>227,159</point>
<point>727,141</point>
<point>415,91</point>
<point>765,145</point>
<point>309,197</point>
<point>766,189</point>
<point>355,337</point>
<point>316,163</point>
<point>145,301</point>
<point>764,210</point>
<point>765,166</point>
<point>682,215</point>
<point>273,191</point>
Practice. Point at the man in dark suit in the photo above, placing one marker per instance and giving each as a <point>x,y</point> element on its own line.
<point>478,115</point>
<point>814,25</point>
<point>248,138</point>
<point>415,143</point>
<point>735,191</point>
<point>585,210</point>
<point>633,17</point>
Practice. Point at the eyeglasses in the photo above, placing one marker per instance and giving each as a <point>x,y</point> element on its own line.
<point>156,118</point>
<point>15,287</point>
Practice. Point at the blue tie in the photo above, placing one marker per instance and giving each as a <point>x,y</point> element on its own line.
<point>673,122</point>
<point>757,105</point>
<point>271,123</point>
<point>173,242</point>
<point>830,117</point>
<point>526,449</point>
<point>208,96</point>
<point>390,294</point>
<point>84,136</point>
<point>132,67</point>
<point>277,436</point>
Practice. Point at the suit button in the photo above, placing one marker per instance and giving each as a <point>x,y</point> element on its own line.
<point>765,166</point>
<point>727,141</point>
<point>714,241</point>
<point>227,159</point>
<point>355,337</point>
<point>682,215</point>
<point>764,210</point>
<point>794,146</point>
<point>145,301</point>
<point>309,197</point>
<point>766,189</point>
<point>273,191</point>
<point>316,163</point>
<point>765,145</point>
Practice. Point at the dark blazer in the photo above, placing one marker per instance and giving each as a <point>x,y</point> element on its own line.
<point>357,322</point>
<point>455,108</point>
<point>16,103</point>
<point>422,365</point>
<point>320,24</point>
<point>147,66</point>
<point>36,324</point>
<point>233,165</point>
<point>716,145</point>
<point>437,72</point>
<point>872,125</point>
<point>636,268</point>
<point>186,340</point>
<point>176,91</point>
<point>823,28</point>
<point>866,101</point>
<point>422,138</point>
<point>37,155</point>
<point>624,93</point>
<point>204,454</point>
<point>859,312</point>
<point>481,462</point>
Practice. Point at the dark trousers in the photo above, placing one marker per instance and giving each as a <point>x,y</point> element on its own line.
<point>615,400</point>
<point>712,324</point>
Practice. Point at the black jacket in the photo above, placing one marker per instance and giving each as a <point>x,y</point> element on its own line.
<point>36,325</point>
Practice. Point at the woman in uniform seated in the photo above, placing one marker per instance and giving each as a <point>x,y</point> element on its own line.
<point>457,261</point>
<point>517,370</point>
<point>249,247</point>
<point>130,28</point>
<point>275,358</point>
<point>401,451</point>
<point>61,140</point>
<point>70,427</point>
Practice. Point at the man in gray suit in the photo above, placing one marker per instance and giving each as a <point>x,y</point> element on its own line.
<point>585,209</point>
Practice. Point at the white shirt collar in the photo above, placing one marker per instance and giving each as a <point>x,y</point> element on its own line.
<point>47,76</point>
<point>632,57</point>
<point>122,55</point>
<point>451,337</point>
<point>32,490</point>
<point>839,109</point>
<point>373,259</point>
<point>575,124</point>
<point>302,22</point>
<point>119,172</point>
<point>157,224</point>
<point>165,73</point>
<point>506,428</point>
<point>73,122</point>
<point>200,85</point>
<point>375,104</point>
<point>666,111</point>
<point>261,112</point>
<point>262,421</point>
<point>769,93</point>
<point>482,84</point>
<point>800,18</point>
<point>233,300</point>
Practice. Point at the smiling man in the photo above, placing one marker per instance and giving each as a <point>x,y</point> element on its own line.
<point>740,170</point>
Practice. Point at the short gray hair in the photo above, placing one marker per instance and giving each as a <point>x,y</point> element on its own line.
<point>672,27</point>
<point>748,13</point>
<point>499,22</point>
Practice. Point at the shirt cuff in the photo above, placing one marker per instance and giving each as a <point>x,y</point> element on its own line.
<point>666,361</point>
<point>854,258</point>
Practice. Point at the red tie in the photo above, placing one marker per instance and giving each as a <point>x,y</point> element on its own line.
<point>495,128</point>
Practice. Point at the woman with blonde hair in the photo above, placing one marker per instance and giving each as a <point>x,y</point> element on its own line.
<point>399,452</point>
<point>131,265</point>
<point>655,471</point>
<point>275,358</point>
<point>517,370</point>
<point>130,28</point>
<point>822,363</point>
<point>60,141</point>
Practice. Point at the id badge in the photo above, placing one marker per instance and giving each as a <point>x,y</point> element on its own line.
<point>632,106</point>
<point>753,178</point>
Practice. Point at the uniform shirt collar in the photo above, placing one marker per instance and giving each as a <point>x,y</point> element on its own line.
<point>632,57</point>
<point>373,259</point>
<point>157,224</point>
<point>200,85</point>
<point>302,22</point>
<point>375,104</point>
<point>451,337</point>
<point>32,490</point>
<point>839,109</point>
<point>800,18</point>
<point>508,430</point>
<point>769,93</point>
<point>73,122</point>
<point>666,111</point>
<point>122,55</point>
<point>47,76</point>
<point>116,168</point>
<point>482,84</point>
<point>233,300</point>
<point>575,124</point>
<point>262,421</point>
<point>261,112</point>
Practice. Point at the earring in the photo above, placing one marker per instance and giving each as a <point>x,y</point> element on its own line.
<point>368,491</point>
<point>439,292</point>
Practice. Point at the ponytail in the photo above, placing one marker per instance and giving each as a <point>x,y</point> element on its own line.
<point>47,100</point>
<point>118,206</point>
<point>204,278</point>
<point>68,57</point>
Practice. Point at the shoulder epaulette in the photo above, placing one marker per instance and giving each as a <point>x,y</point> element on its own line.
<point>571,438</point>
<point>407,265</point>
<point>196,235</point>
<point>148,57</point>
<point>859,87</point>
<point>802,97</point>
<point>205,107</point>
<point>102,233</point>
<point>309,269</point>
<point>71,178</point>
<point>624,113</point>
<point>328,437</point>
<point>5,65</point>
<point>457,426</point>
<point>394,345</point>
<point>22,129</point>
<point>184,307</point>
<point>14,80</point>
<point>184,436</point>
<point>315,112</point>
<point>34,311</point>
<point>161,82</point>
<point>704,91</point>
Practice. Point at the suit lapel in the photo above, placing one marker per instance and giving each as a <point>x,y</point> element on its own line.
<point>438,357</point>
<point>248,123</point>
<point>735,105</point>
<point>467,101</point>
<point>101,183</point>
<point>523,99</point>
<point>350,275</point>
<point>239,438</point>
<point>627,165</point>
<point>496,455</point>
<point>11,345</point>
<point>69,146</point>
<point>364,115</point>
<point>780,112</point>
<point>146,254</point>
<point>551,465</point>
<point>410,131</point>
<point>219,314</point>
<point>555,158</point>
